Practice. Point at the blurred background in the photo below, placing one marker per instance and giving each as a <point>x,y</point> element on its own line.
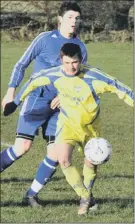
<point>108,21</point>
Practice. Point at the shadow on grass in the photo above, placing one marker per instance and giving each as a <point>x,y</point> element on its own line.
<point>43,203</point>
<point>17,180</point>
<point>116,176</point>
<point>29,180</point>
<point>121,203</point>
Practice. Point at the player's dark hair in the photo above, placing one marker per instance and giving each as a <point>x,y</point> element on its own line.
<point>69,5</point>
<point>71,50</point>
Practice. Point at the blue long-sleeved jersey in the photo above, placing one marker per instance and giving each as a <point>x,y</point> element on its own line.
<point>45,50</point>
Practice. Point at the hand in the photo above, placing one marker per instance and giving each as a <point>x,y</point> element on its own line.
<point>9,97</point>
<point>9,108</point>
<point>55,103</point>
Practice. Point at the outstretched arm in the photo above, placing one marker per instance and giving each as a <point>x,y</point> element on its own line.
<point>106,83</point>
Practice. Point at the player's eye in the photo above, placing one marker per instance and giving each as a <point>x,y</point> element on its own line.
<point>75,62</point>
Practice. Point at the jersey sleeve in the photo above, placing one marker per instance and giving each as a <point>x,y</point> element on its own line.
<point>38,80</point>
<point>29,55</point>
<point>85,56</point>
<point>17,99</point>
<point>106,83</point>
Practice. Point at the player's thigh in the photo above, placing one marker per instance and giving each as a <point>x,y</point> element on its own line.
<point>34,113</point>
<point>93,129</point>
<point>28,124</point>
<point>49,127</point>
<point>22,145</point>
<point>37,106</point>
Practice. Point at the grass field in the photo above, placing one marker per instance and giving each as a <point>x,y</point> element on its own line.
<point>114,186</point>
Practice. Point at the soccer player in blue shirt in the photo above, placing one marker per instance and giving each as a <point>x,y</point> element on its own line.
<point>79,88</point>
<point>44,50</point>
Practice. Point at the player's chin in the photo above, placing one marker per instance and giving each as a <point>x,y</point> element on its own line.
<point>72,29</point>
<point>72,73</point>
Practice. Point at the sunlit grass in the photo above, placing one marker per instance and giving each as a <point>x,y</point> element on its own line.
<point>114,186</point>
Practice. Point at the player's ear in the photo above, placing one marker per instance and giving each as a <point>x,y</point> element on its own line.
<point>61,59</point>
<point>59,19</point>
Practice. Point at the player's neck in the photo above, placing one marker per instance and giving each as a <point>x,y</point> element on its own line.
<point>65,34</point>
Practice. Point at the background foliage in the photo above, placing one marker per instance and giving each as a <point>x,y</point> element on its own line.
<point>101,20</point>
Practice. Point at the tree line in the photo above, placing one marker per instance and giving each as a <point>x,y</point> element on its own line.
<point>97,16</point>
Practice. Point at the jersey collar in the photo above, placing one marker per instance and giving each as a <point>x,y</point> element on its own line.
<point>70,76</point>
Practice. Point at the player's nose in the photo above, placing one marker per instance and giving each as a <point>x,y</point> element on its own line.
<point>74,20</point>
<point>71,66</point>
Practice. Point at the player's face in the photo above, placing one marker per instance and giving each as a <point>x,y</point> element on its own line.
<point>70,21</point>
<point>71,65</point>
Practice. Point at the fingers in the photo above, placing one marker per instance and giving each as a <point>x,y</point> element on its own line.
<point>55,103</point>
<point>58,106</point>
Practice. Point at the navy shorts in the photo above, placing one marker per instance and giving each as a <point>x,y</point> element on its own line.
<point>49,127</point>
<point>34,113</point>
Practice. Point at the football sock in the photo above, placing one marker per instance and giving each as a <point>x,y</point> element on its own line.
<point>89,174</point>
<point>74,179</point>
<point>45,171</point>
<point>7,157</point>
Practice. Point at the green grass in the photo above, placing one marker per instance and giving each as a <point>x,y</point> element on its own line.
<point>114,185</point>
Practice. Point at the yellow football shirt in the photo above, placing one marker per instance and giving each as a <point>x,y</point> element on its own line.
<point>79,99</point>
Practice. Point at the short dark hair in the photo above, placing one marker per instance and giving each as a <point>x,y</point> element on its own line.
<point>71,50</point>
<point>69,5</point>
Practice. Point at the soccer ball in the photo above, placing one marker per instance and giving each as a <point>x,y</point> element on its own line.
<point>98,150</point>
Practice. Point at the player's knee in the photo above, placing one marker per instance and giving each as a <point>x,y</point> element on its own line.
<point>26,145</point>
<point>22,146</point>
<point>64,163</point>
<point>64,152</point>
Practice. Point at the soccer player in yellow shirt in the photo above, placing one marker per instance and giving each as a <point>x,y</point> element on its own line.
<point>79,88</point>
